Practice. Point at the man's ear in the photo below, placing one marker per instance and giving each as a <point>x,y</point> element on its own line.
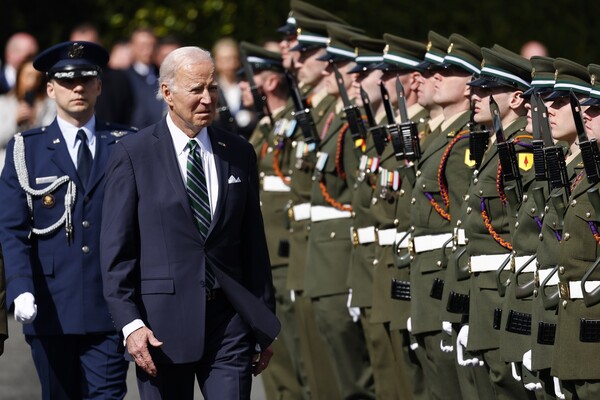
<point>166,93</point>
<point>415,81</point>
<point>515,100</point>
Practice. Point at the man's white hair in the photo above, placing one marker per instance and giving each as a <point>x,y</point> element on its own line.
<point>178,58</point>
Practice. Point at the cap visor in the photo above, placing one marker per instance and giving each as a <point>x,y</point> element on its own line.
<point>592,101</point>
<point>557,94</point>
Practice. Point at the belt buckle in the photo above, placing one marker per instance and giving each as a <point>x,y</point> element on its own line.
<point>513,263</point>
<point>564,291</point>
<point>354,233</point>
<point>411,246</point>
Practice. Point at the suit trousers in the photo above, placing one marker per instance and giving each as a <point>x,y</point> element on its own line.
<point>79,366</point>
<point>225,370</point>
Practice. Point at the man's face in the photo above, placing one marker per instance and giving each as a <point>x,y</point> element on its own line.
<point>591,117</point>
<point>192,99</point>
<point>310,70</point>
<point>286,55</point>
<point>426,89</point>
<point>561,120</point>
<point>331,85</point>
<point>75,98</point>
<point>142,46</point>
<point>450,86</point>
<point>389,80</point>
<point>369,80</point>
<point>247,98</point>
<point>481,103</point>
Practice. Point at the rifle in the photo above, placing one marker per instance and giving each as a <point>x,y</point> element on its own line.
<point>589,148</point>
<point>408,129</point>
<point>554,155</point>
<point>302,113</point>
<point>541,138</point>
<point>479,140</point>
<point>377,131</point>
<point>260,99</point>
<point>353,116</point>
<point>506,151</point>
<point>225,113</point>
<point>392,127</point>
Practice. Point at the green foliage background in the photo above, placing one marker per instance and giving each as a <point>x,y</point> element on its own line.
<point>567,27</point>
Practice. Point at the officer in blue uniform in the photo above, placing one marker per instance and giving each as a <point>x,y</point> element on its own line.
<point>51,192</point>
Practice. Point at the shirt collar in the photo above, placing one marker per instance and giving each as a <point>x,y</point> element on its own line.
<point>69,131</point>
<point>181,140</point>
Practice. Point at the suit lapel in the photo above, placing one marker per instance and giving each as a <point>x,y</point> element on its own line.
<point>102,142</point>
<point>168,159</point>
<point>219,148</point>
<point>61,157</point>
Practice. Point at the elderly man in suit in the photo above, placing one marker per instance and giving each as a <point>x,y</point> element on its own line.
<point>51,191</point>
<point>184,258</point>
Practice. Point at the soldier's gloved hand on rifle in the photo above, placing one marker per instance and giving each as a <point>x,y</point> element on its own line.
<point>353,311</point>
<point>25,308</point>
<point>461,344</point>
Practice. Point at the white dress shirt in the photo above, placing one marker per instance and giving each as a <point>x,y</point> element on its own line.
<point>69,133</point>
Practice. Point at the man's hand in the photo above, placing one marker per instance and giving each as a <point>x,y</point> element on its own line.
<point>137,346</point>
<point>260,361</point>
<point>25,308</point>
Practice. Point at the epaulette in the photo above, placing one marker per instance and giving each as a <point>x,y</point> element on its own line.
<point>31,132</point>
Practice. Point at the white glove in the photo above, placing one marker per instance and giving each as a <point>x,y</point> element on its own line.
<point>446,327</point>
<point>353,311</point>
<point>25,308</point>
<point>527,360</point>
<point>461,343</point>
<point>292,296</point>
<point>515,373</point>
<point>413,345</point>
<point>557,389</point>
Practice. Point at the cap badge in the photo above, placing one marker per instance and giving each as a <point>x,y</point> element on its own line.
<point>356,52</point>
<point>482,63</point>
<point>299,31</point>
<point>450,48</point>
<point>556,75</point>
<point>386,49</point>
<point>75,51</point>
<point>533,73</point>
<point>593,79</point>
<point>429,45</point>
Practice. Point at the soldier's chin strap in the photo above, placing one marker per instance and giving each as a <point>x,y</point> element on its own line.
<point>23,177</point>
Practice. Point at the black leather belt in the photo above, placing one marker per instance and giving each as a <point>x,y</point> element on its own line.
<point>518,322</point>
<point>400,290</point>
<point>458,303</point>
<point>212,294</point>
<point>589,330</point>
<point>546,333</point>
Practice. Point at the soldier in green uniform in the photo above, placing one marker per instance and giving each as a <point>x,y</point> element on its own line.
<point>272,141</point>
<point>442,179</point>
<point>487,223</point>
<point>329,245</point>
<point>574,359</point>
<point>312,40</point>
<point>390,208</point>
<point>516,339</point>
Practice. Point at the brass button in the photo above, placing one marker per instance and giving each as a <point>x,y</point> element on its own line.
<point>535,292</point>
<point>564,304</point>
<point>402,192</point>
<point>541,236</point>
<point>524,198</point>
<point>439,263</point>
<point>517,224</point>
<point>546,209</point>
<point>332,235</point>
<point>480,192</point>
<point>573,203</point>
<point>85,224</point>
<point>374,200</point>
<point>476,172</point>
<point>85,249</point>
<point>532,210</point>
<point>475,180</point>
<point>466,197</point>
<point>424,186</point>
<point>458,223</point>
<point>353,214</point>
<point>566,236</point>
<point>588,214</point>
<point>469,209</point>
<point>418,173</point>
<point>466,240</point>
<point>269,149</point>
<point>262,174</point>
<point>396,222</point>
<point>375,262</point>
<point>413,200</point>
<point>561,270</point>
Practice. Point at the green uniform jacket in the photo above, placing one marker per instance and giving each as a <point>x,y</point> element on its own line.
<point>572,358</point>
<point>329,246</point>
<point>547,258</point>
<point>276,142</point>
<point>428,266</point>
<point>301,172</point>
<point>483,192</point>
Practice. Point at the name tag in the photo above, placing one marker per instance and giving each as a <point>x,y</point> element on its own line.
<point>45,179</point>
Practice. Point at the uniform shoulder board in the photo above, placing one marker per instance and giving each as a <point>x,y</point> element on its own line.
<point>32,132</point>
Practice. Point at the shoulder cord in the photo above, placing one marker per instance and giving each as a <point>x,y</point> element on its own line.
<point>23,177</point>
<point>594,231</point>
<point>340,171</point>
<point>490,228</point>
<point>441,177</point>
<point>276,166</point>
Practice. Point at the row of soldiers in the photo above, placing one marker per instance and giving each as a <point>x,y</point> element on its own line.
<point>432,215</point>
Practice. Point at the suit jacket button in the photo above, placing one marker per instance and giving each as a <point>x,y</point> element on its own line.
<point>85,224</point>
<point>85,249</point>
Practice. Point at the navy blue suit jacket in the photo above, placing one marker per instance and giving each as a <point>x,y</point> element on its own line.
<point>153,257</point>
<point>64,278</point>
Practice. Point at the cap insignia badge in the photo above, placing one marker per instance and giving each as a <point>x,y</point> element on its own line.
<point>75,51</point>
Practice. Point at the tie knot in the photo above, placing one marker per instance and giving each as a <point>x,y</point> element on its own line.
<point>192,144</point>
<point>82,136</point>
